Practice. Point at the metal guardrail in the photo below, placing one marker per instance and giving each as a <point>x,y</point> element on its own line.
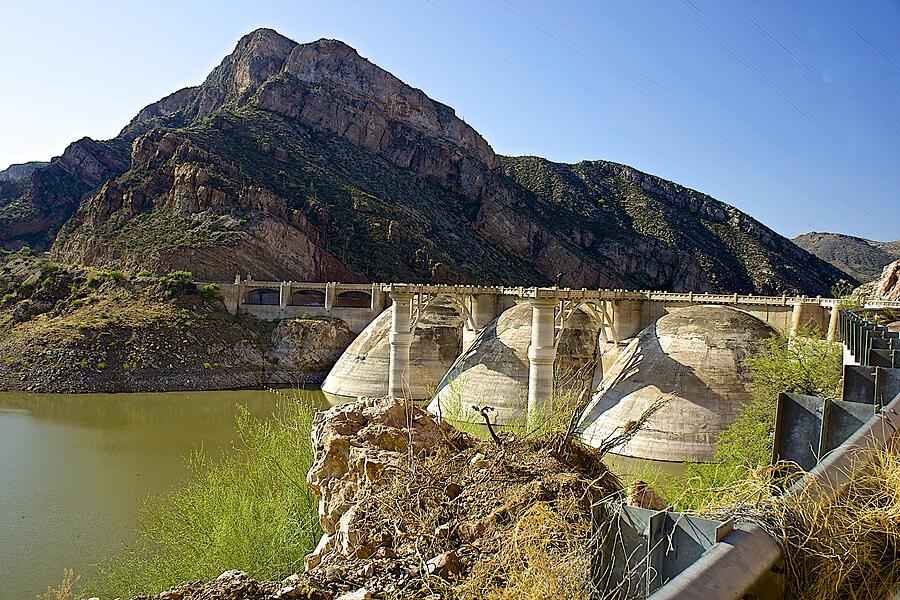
<point>731,568</point>
<point>862,337</point>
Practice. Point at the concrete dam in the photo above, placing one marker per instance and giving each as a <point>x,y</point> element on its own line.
<point>513,349</point>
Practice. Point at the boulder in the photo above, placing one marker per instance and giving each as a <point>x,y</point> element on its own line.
<point>306,349</point>
<point>355,444</point>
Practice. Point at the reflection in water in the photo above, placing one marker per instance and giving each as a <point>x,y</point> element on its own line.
<point>75,468</point>
<point>628,468</point>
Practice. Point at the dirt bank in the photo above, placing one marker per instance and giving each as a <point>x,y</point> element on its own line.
<point>72,329</point>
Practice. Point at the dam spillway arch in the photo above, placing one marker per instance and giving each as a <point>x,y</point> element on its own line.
<point>625,314</point>
<point>494,370</point>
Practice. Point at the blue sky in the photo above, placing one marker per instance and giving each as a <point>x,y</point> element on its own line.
<point>789,110</point>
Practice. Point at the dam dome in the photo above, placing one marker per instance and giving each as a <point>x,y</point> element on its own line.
<point>493,370</point>
<point>692,361</point>
<point>363,368</point>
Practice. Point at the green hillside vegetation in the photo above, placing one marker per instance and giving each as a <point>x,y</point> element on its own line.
<point>70,328</point>
<point>621,203</point>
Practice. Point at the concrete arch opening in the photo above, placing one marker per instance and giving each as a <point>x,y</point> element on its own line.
<point>354,299</point>
<point>263,296</point>
<point>307,298</point>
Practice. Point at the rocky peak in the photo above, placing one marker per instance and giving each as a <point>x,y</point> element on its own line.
<point>258,56</point>
<point>89,161</point>
<point>334,63</point>
<point>166,107</point>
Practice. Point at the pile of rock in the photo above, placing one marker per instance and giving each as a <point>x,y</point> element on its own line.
<point>412,507</point>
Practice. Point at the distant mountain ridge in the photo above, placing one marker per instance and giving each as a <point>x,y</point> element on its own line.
<point>863,259</point>
<point>309,162</point>
<point>21,171</point>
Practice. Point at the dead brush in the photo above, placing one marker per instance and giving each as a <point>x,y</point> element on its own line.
<point>515,517</point>
<point>545,554</point>
<point>835,547</point>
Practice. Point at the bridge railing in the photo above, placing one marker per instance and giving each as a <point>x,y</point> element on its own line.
<point>555,292</point>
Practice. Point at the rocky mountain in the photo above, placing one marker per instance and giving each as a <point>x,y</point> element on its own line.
<point>885,287</point>
<point>32,209</point>
<point>309,162</point>
<point>863,259</point>
<point>21,171</point>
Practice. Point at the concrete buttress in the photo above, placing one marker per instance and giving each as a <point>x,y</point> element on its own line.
<point>400,340</point>
<point>541,354</point>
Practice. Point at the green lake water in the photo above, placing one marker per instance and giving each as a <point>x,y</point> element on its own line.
<point>74,470</point>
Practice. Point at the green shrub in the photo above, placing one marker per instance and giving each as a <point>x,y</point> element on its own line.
<point>98,278</point>
<point>183,318</point>
<point>101,365</point>
<point>144,273</point>
<point>251,510</point>
<point>176,283</point>
<point>803,364</point>
<point>210,291</point>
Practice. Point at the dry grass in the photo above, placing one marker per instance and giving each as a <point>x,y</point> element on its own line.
<point>545,554</point>
<point>846,547</point>
<point>517,515</point>
<point>65,590</point>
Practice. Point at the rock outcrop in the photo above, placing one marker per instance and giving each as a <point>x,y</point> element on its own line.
<point>887,287</point>
<point>356,447</point>
<point>306,349</point>
<point>408,503</point>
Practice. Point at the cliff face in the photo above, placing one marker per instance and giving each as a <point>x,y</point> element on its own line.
<point>34,208</point>
<point>887,286</point>
<point>307,161</point>
<point>863,259</point>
